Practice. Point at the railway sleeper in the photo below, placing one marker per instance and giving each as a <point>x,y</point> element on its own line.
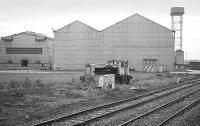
<point>75,120</point>
<point>95,115</point>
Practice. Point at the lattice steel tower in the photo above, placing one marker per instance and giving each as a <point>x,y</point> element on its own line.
<point>177,25</point>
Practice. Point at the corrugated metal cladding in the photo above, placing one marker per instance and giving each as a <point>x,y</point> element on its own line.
<point>29,48</point>
<point>134,39</point>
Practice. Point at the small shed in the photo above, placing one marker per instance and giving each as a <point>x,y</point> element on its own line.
<point>194,65</point>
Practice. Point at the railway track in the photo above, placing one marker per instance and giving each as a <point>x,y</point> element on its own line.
<point>177,100</point>
<point>86,116</point>
<point>186,108</point>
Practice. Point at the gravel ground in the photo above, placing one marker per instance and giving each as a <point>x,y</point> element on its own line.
<point>189,118</point>
<point>155,119</point>
<point>131,113</point>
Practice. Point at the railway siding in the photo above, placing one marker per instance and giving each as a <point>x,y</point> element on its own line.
<point>128,114</point>
<point>84,117</point>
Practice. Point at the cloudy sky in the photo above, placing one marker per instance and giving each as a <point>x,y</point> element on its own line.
<point>44,15</point>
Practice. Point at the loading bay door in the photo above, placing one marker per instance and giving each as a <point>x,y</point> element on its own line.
<point>150,65</point>
<point>24,63</point>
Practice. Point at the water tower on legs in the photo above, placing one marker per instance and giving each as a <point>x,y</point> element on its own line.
<point>177,26</point>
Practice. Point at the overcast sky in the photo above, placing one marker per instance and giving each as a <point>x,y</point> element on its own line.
<point>44,15</point>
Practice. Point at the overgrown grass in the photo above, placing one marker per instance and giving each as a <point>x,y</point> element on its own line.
<point>26,86</point>
<point>39,84</point>
<point>27,83</point>
<point>13,84</point>
<point>87,88</point>
<point>1,86</point>
<point>73,89</point>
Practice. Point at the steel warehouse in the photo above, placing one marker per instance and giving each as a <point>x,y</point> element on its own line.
<point>25,50</point>
<point>147,45</point>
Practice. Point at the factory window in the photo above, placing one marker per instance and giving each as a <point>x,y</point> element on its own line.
<point>37,62</point>
<point>10,62</point>
<point>23,50</point>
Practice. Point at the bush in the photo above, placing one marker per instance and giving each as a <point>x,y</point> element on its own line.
<point>73,80</point>
<point>16,93</point>
<point>13,84</point>
<point>27,83</point>
<point>74,93</point>
<point>79,86</point>
<point>132,69</point>
<point>39,83</point>
<point>117,88</point>
<point>135,80</point>
<point>1,86</point>
<point>68,92</point>
<point>99,92</point>
<point>107,92</point>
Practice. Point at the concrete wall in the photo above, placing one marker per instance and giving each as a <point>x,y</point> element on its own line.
<point>134,39</point>
<point>24,40</point>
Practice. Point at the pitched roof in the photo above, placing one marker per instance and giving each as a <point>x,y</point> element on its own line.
<point>30,33</point>
<point>154,22</point>
<point>134,15</point>
<point>74,22</point>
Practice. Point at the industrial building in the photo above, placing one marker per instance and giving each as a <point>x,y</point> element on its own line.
<point>194,65</point>
<point>26,50</point>
<point>147,45</point>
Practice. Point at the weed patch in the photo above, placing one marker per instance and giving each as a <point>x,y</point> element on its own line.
<point>39,84</point>
<point>1,86</point>
<point>13,84</point>
<point>27,83</point>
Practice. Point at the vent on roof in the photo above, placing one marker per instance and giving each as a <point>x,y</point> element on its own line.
<point>146,59</point>
<point>8,38</point>
<point>40,38</point>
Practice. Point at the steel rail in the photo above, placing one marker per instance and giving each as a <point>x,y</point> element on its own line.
<point>130,107</point>
<point>160,107</point>
<point>188,107</point>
